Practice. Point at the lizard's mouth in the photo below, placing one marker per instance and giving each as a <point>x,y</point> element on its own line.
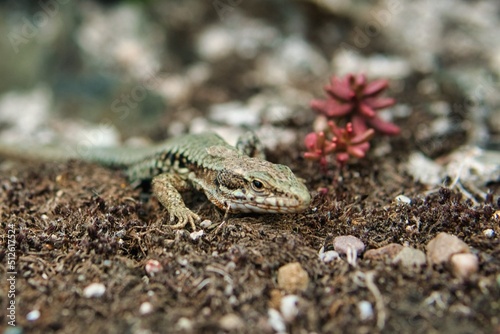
<point>272,205</point>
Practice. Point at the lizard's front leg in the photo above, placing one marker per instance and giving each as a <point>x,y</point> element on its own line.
<point>166,188</point>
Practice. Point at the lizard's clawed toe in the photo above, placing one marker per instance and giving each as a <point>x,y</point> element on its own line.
<point>184,218</point>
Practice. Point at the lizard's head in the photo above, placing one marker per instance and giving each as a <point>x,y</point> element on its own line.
<point>255,185</point>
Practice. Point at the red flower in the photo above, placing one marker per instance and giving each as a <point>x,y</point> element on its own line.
<point>352,95</point>
<point>344,144</point>
<point>318,148</point>
<point>350,143</point>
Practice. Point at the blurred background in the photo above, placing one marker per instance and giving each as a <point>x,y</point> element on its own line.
<point>109,71</point>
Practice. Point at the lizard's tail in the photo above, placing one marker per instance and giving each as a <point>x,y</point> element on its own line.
<point>37,153</point>
<point>115,157</point>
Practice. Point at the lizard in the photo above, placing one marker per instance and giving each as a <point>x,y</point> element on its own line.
<point>229,178</point>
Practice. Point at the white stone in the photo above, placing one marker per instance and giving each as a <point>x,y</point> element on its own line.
<point>365,309</point>
<point>276,321</point>
<point>473,165</point>
<point>329,256</point>
<point>206,223</point>
<point>375,66</point>
<point>94,290</point>
<point>153,267</point>
<point>120,37</point>
<point>443,246</point>
<point>184,324</point>
<point>215,43</point>
<point>231,322</point>
<point>410,258</point>
<point>423,169</point>
<point>234,113</point>
<point>33,315</point>
<point>403,199</point>
<point>289,307</point>
<point>464,265</point>
<point>273,136</point>
<point>489,233</point>
<point>26,112</point>
<point>145,308</point>
<point>196,234</point>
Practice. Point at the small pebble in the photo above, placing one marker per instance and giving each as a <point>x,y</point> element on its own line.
<point>389,251</point>
<point>292,278</point>
<point>145,308</point>
<point>153,267</point>
<point>343,243</point>
<point>365,309</point>
<point>489,233</point>
<point>329,256</point>
<point>184,324</point>
<point>443,246</point>
<point>410,257</point>
<point>234,113</point>
<point>403,199</point>
<point>196,234</point>
<point>231,322</point>
<point>215,43</point>
<point>289,307</point>
<point>33,315</point>
<point>276,321</point>
<point>423,169</point>
<point>206,223</point>
<point>94,290</point>
<point>464,265</point>
<point>275,299</point>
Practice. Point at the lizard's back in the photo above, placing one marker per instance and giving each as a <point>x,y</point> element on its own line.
<point>139,162</point>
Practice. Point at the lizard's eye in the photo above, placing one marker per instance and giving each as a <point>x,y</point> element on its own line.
<point>257,185</point>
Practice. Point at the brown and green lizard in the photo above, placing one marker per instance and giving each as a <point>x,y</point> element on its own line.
<point>230,179</point>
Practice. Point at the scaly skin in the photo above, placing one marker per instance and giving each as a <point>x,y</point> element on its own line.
<point>231,180</point>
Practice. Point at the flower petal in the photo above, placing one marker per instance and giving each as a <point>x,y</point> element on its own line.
<point>385,127</point>
<point>340,91</point>
<point>358,124</point>
<point>334,128</point>
<point>331,107</point>
<point>318,105</point>
<point>379,102</point>
<point>311,156</point>
<point>330,147</point>
<point>363,137</point>
<point>356,151</point>
<point>310,141</point>
<point>375,87</point>
<point>366,110</point>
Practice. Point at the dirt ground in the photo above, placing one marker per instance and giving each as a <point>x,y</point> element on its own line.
<point>78,223</point>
